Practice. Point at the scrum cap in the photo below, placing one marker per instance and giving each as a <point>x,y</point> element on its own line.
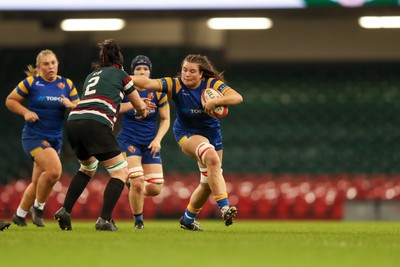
<point>140,60</point>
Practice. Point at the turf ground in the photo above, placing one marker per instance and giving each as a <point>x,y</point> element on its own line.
<point>245,244</point>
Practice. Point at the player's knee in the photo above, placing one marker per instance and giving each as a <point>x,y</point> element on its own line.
<point>137,185</point>
<point>53,174</point>
<point>154,178</point>
<point>54,171</point>
<point>135,172</point>
<point>89,169</point>
<point>153,183</point>
<point>118,170</point>
<point>152,190</point>
<point>202,150</point>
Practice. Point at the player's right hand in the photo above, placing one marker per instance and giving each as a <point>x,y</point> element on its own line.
<point>31,116</point>
<point>141,114</point>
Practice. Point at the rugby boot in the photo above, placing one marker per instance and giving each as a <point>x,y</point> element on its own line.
<point>104,225</point>
<point>139,225</point>
<point>228,214</point>
<point>37,216</point>
<point>195,226</point>
<point>20,221</point>
<point>63,218</point>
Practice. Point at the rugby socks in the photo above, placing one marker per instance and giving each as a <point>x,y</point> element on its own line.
<point>138,217</point>
<point>21,213</point>
<point>38,205</point>
<point>75,189</point>
<point>112,193</point>
<point>191,213</point>
<point>222,200</point>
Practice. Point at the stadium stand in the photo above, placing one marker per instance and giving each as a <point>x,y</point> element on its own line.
<point>269,196</point>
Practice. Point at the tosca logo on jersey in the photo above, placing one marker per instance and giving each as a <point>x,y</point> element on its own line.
<point>192,111</point>
<point>49,98</point>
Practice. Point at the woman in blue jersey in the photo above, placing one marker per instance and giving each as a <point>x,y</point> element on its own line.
<point>198,134</point>
<point>89,130</point>
<point>48,96</point>
<point>140,142</point>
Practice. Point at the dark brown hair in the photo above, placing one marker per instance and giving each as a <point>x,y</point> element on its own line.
<point>109,54</point>
<point>205,66</point>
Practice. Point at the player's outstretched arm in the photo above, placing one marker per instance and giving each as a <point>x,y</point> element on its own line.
<point>147,83</point>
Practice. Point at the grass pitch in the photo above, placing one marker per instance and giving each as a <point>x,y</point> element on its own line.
<point>244,244</point>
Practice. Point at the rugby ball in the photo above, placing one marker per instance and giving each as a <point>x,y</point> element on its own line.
<point>219,112</point>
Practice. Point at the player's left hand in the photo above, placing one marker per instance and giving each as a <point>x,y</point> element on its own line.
<point>150,106</point>
<point>66,102</point>
<point>155,147</point>
<point>210,105</point>
<point>142,114</point>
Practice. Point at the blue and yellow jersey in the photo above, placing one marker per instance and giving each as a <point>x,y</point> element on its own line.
<point>144,130</point>
<point>190,113</point>
<point>45,100</point>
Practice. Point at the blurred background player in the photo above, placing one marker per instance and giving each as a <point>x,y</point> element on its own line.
<point>48,96</point>
<point>198,134</point>
<point>89,129</point>
<point>140,142</point>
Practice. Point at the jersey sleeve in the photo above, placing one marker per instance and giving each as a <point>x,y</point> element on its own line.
<point>128,85</point>
<point>167,85</point>
<point>162,100</point>
<point>73,93</point>
<point>217,85</point>
<point>22,88</point>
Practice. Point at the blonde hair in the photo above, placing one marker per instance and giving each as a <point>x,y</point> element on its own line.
<point>31,71</point>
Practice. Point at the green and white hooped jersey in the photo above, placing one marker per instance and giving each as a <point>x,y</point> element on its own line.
<point>103,92</point>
